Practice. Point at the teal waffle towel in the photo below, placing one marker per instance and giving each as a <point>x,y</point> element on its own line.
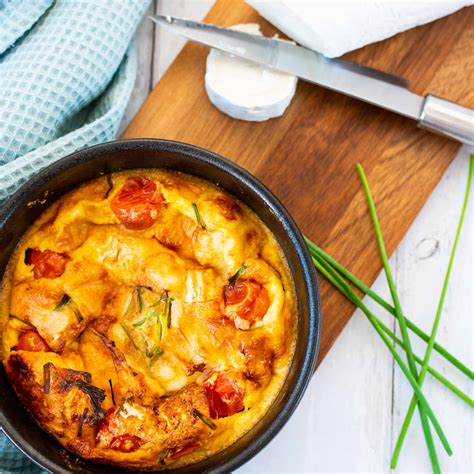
<point>66,73</point>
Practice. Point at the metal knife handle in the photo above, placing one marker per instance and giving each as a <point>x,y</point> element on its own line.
<point>448,119</point>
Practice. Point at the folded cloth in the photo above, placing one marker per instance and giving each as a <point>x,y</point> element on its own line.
<point>12,461</point>
<point>67,69</point>
<point>334,27</point>
<point>66,73</point>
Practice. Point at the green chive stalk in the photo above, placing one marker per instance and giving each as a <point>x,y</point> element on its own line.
<point>401,320</point>
<point>436,321</point>
<point>449,385</point>
<point>346,290</point>
<point>369,292</point>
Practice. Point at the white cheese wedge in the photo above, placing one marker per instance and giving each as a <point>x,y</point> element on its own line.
<point>334,27</point>
<point>245,90</point>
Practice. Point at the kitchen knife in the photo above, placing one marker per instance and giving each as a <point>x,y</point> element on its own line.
<point>375,87</point>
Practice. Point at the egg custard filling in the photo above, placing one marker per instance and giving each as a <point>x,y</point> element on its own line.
<point>148,319</point>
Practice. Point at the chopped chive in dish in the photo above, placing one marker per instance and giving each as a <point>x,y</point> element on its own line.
<point>110,185</point>
<point>207,421</point>
<point>198,216</point>
<point>112,391</point>
<point>47,377</point>
<point>62,302</point>
<point>241,271</point>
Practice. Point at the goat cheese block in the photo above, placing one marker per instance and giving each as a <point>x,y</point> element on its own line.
<point>245,90</point>
<point>334,28</point>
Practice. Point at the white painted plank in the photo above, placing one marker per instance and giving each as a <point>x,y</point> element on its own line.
<point>144,40</point>
<point>168,45</point>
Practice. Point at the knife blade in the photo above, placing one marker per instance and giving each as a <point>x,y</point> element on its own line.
<point>355,80</point>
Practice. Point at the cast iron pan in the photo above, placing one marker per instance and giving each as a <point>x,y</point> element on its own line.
<point>51,183</point>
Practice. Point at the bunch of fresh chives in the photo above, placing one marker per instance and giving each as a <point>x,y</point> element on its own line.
<point>342,280</point>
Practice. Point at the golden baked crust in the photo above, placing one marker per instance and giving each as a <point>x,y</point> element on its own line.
<point>148,319</point>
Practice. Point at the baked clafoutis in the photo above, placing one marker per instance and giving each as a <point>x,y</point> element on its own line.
<point>148,319</point>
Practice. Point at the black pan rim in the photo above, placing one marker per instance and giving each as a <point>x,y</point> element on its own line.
<point>21,198</point>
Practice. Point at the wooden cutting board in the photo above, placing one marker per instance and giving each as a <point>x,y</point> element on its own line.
<point>308,157</point>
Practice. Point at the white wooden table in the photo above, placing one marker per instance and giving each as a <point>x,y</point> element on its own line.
<point>351,414</point>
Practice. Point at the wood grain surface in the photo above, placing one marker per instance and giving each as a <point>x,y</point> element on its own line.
<point>308,156</point>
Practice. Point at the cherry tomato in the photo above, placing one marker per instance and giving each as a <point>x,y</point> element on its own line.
<point>46,264</point>
<point>248,299</point>
<point>104,423</point>
<point>126,443</point>
<point>224,396</point>
<point>181,451</point>
<point>30,340</point>
<point>138,204</point>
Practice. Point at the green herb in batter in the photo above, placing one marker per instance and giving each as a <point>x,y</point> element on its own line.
<point>159,326</point>
<point>168,303</point>
<point>207,421</point>
<point>156,319</point>
<point>198,216</point>
<point>110,185</point>
<point>81,422</point>
<point>96,396</point>
<point>112,391</point>
<point>141,322</point>
<point>127,332</point>
<point>139,298</point>
<point>150,313</point>
<point>62,302</point>
<point>47,377</point>
<point>237,274</point>
<point>67,301</point>
<point>154,355</point>
<point>164,455</point>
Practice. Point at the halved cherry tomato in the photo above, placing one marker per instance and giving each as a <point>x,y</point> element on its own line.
<point>248,299</point>
<point>104,423</point>
<point>30,340</point>
<point>181,451</point>
<point>225,397</point>
<point>138,204</point>
<point>126,443</point>
<point>46,264</point>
